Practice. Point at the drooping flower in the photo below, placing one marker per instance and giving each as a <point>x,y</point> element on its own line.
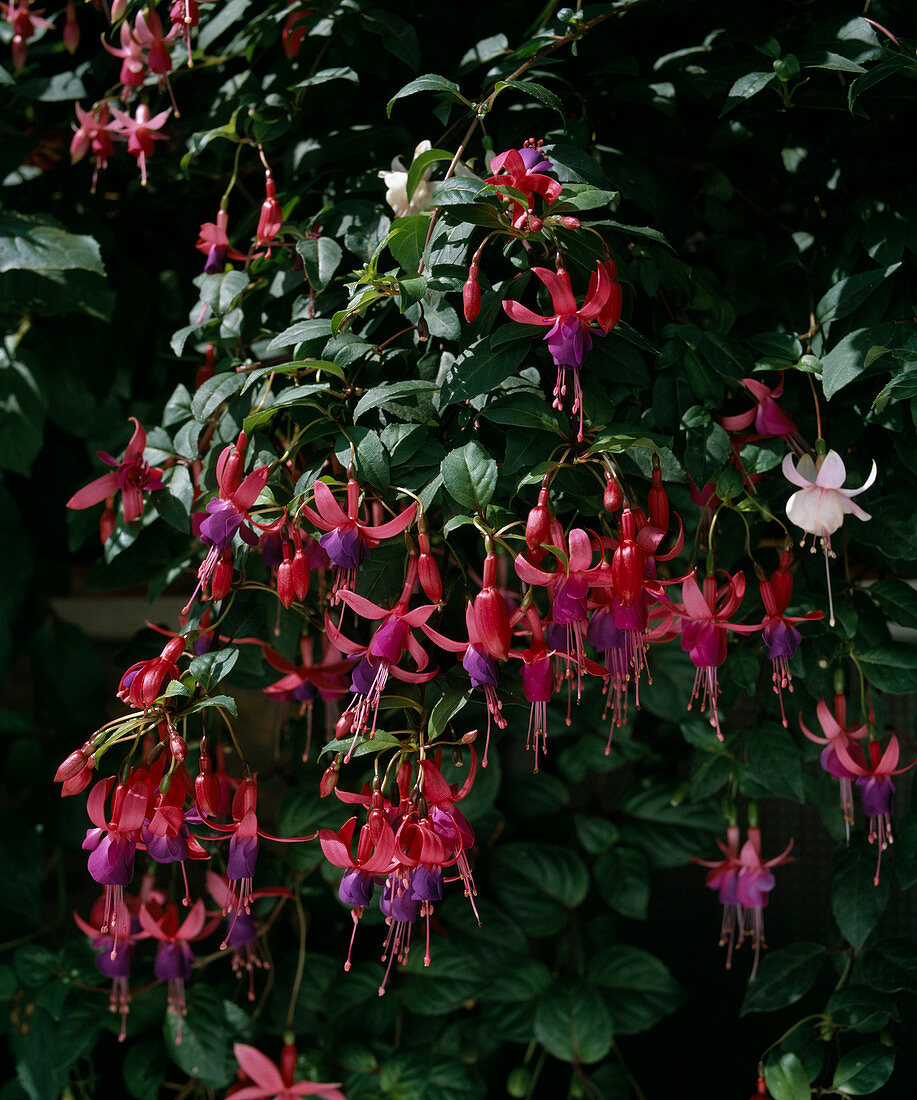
<point>141,132</point>
<point>705,618</point>
<point>24,22</point>
<point>348,540</point>
<point>523,170</point>
<point>131,477</point>
<point>133,63</point>
<point>213,241</point>
<point>754,883</point>
<point>820,504</point>
<point>722,877</point>
<point>569,336</point>
<point>874,769</point>
<point>271,217</point>
<point>766,415</point>
<point>184,15</point>
<point>242,934</point>
<point>837,732</point>
<point>270,1082</point>
<point>93,133</point>
<point>114,966</point>
<point>396,186</point>
<point>145,681</point>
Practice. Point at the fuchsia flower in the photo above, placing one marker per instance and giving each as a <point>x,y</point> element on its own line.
<point>24,22</point>
<point>837,732</point>
<point>705,622</point>
<point>213,241</point>
<point>523,170</point>
<point>112,845</point>
<point>242,934</point>
<point>780,635</point>
<point>271,217</point>
<point>133,63</point>
<point>873,774</point>
<point>140,132</point>
<point>185,15</point>
<point>820,504</point>
<point>145,681</point>
<point>174,958</point>
<point>769,419</point>
<point>383,653</point>
<point>269,1082</point>
<point>93,133</point>
<point>743,882</point>
<point>570,334</point>
<point>348,540</point>
<point>131,477</point>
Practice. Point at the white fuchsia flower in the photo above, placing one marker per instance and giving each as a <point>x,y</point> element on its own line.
<point>820,504</point>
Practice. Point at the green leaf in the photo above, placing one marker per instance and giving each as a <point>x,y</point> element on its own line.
<point>29,243</point>
<point>321,257</point>
<point>480,369</point>
<point>745,87</point>
<point>406,240</point>
<point>371,456</point>
<point>857,902</point>
<point>901,388</point>
<point>864,1070</point>
<point>297,396</point>
<point>773,767</point>
<point>572,1023</point>
<point>786,1078</point>
<point>596,834</point>
<point>583,196</point>
<point>210,668</point>
<point>421,163</point>
<point>470,475</point>
<point>891,667</point>
<point>623,878</point>
<point>639,990</point>
<point>144,1067</point>
<point>431,82</point>
<point>897,599</point>
<point>366,745</point>
<point>445,710</point>
<point>205,1050</point>
<point>862,1009</point>
<point>323,76</point>
<point>850,293</point>
<point>381,396</point>
<point>301,332</point>
<point>212,393</point>
<point>538,883</point>
<point>536,91</point>
<point>906,847</point>
<point>846,361</point>
<point>784,977</point>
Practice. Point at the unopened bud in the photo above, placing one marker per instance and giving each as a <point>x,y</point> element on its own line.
<point>612,498</point>
<point>457,758</point>
<point>71,32</point>
<point>207,793</point>
<point>471,294</point>
<point>221,581</point>
<point>470,737</point>
<point>570,223</point>
<point>344,724</point>
<point>428,574</point>
<point>423,329</point>
<point>72,766</point>
<point>288,1064</point>
<point>286,589</point>
<point>178,747</point>
<point>329,780</point>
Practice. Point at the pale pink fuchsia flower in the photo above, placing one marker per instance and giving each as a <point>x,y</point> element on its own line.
<point>93,133</point>
<point>396,186</point>
<point>24,22</point>
<point>820,504</point>
<point>837,732</point>
<point>213,241</point>
<point>270,1082</point>
<point>133,63</point>
<point>140,132</point>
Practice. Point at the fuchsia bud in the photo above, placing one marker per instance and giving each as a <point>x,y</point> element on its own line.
<point>231,477</point>
<point>221,580</point>
<point>118,9</point>
<point>427,572</point>
<point>207,785</point>
<point>658,501</point>
<point>107,521</point>
<point>271,218</point>
<point>20,52</point>
<point>208,369</point>
<point>329,780</point>
<point>71,32</point>
<point>286,589</point>
<point>301,571</point>
<point>471,294</point>
<point>490,615</point>
<point>629,561</point>
<point>288,1064</point>
<point>569,222</point>
<point>178,748</point>
<point>612,498</point>
<point>781,582</point>
<point>75,773</point>
<point>538,526</point>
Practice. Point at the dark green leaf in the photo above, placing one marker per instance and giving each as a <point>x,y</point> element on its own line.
<point>480,369</point>
<point>861,1008</point>
<point>324,75</point>
<point>470,475</point>
<point>381,396</point>
<point>623,878</point>
<point>34,244</point>
<point>786,1078</point>
<point>210,668</point>
<point>850,293</point>
<point>432,82</point>
<point>572,1023</point>
<point>898,600</point>
<point>212,393</point>
<point>772,764</point>
<point>891,667</point>
<point>205,1050</point>
<point>639,990</point>
<point>864,1070</point>
<point>857,902</point>
<point>746,87</point>
<point>420,164</point>
<point>784,977</point>
<point>445,710</point>
<point>536,91</point>
<point>321,257</point>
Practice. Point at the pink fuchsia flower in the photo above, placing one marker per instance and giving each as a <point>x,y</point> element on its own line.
<point>780,635</point>
<point>766,415</point>
<point>174,957</point>
<point>242,934</point>
<point>24,22</point>
<point>270,1082</point>
<point>213,241</point>
<point>820,504</point>
<point>754,883</point>
<point>185,15</point>
<point>348,540</point>
<point>93,133</point>
<point>271,217</point>
<point>705,615</point>
<point>523,170</point>
<point>133,63</point>
<point>145,681</point>
<point>140,132</point>
<point>722,876</point>
<point>569,336</point>
<point>838,732</point>
<point>131,477</point>
<point>874,769</point>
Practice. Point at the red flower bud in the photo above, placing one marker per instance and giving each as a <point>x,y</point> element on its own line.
<point>570,223</point>
<point>329,780</point>
<point>612,497</point>
<point>286,588</point>
<point>75,763</point>
<point>178,747</point>
<point>235,464</point>
<point>301,573</point>
<point>208,367</point>
<point>207,793</point>
<point>658,501</point>
<point>271,218</point>
<point>471,294</point>
<point>427,571</point>
<point>71,32</point>
<point>490,615</point>
<point>535,225</point>
<point>221,580</point>
<point>107,522</point>
<point>538,524</point>
<point>344,724</point>
<point>629,562</point>
<point>288,1064</point>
